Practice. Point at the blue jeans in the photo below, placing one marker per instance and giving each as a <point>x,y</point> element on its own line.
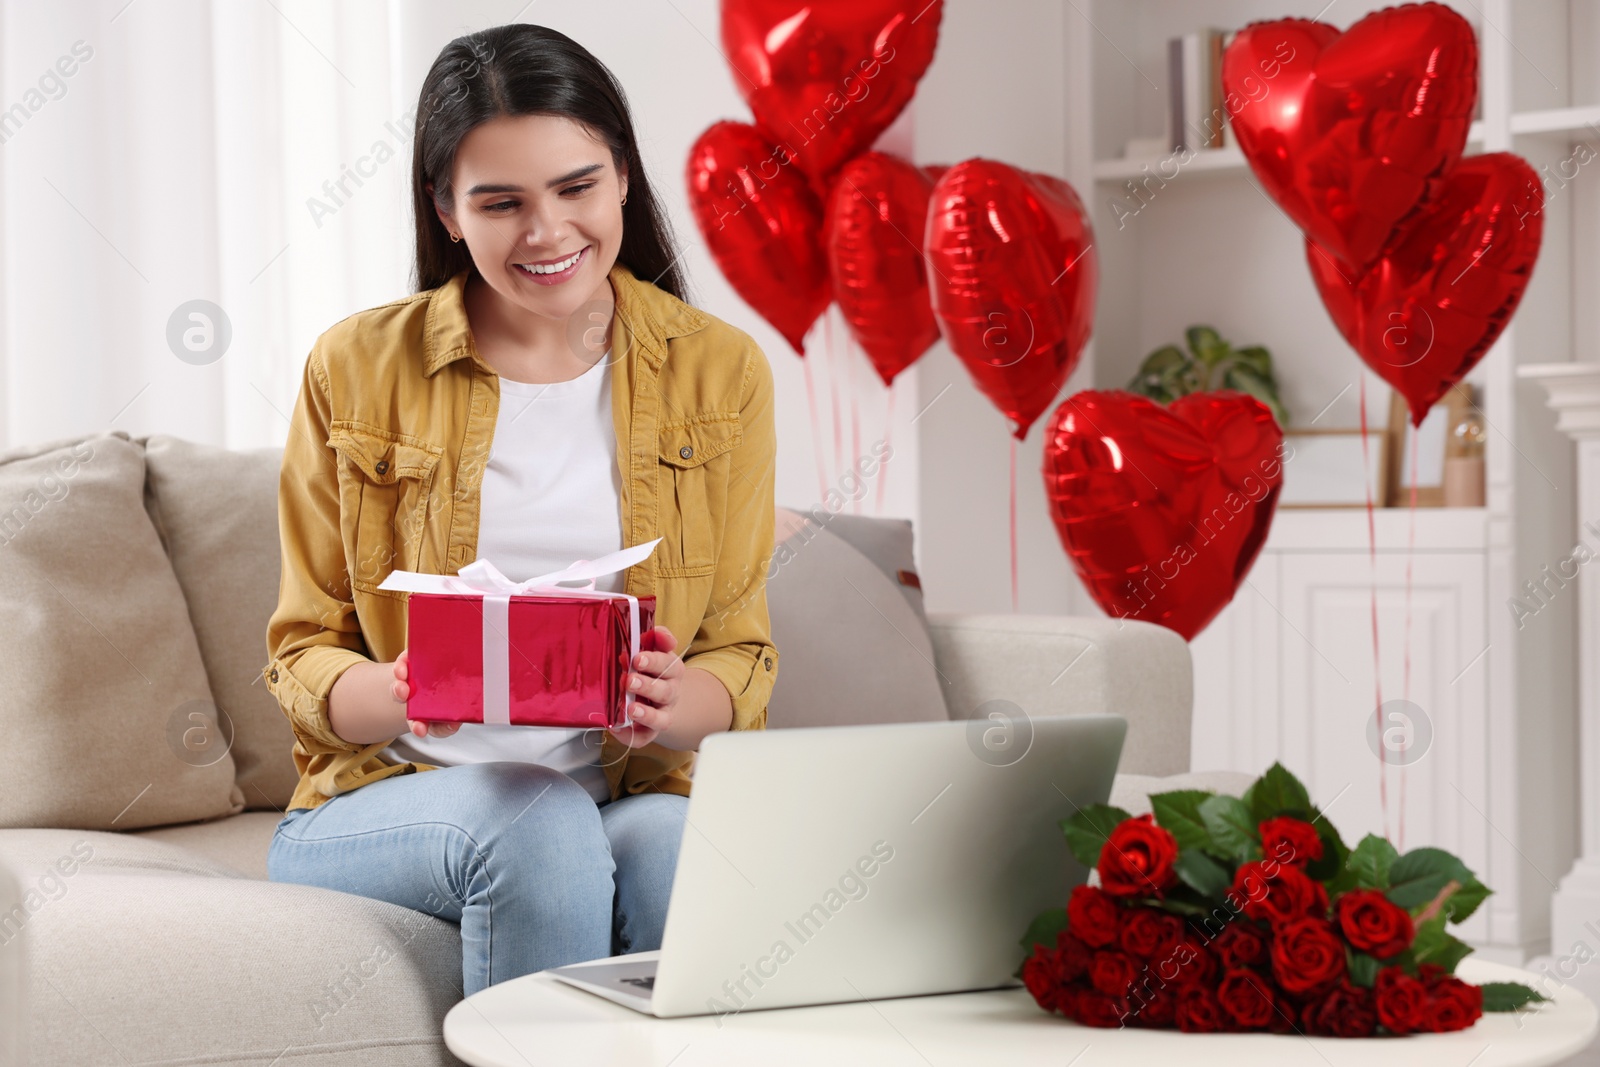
<point>536,874</point>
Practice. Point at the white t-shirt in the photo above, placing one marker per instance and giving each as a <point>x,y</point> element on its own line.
<point>551,495</point>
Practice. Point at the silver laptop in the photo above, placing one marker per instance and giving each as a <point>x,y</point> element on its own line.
<point>842,863</point>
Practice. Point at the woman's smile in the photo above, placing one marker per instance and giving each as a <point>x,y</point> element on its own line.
<point>554,272</point>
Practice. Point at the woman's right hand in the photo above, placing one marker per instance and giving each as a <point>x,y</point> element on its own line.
<point>400,689</point>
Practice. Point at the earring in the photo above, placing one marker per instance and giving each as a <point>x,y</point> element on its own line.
<point>455,237</point>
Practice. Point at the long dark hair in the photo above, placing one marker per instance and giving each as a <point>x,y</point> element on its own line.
<point>522,69</point>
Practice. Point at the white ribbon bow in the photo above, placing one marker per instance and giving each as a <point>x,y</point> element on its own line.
<point>481,577</point>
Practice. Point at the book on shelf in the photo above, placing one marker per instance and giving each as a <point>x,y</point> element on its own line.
<point>1195,112</point>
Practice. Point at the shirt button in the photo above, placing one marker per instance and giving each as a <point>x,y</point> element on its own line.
<point>767,662</point>
<point>382,467</point>
<point>274,674</point>
<point>686,452</point>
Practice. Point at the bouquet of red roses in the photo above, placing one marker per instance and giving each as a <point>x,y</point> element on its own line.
<point>1221,913</point>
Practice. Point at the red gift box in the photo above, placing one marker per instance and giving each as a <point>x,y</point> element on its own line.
<point>482,648</point>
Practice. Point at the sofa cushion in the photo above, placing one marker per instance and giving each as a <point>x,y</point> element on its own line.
<point>103,677</point>
<point>887,542</point>
<point>217,513</point>
<point>237,842</point>
<point>855,649</point>
<point>139,951</point>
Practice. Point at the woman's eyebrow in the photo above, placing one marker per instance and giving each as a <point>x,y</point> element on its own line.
<point>551,184</point>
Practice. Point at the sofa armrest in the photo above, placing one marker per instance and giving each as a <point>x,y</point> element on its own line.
<point>1065,665</point>
<point>13,973</point>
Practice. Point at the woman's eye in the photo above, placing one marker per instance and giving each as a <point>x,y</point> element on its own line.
<point>578,189</point>
<point>501,204</point>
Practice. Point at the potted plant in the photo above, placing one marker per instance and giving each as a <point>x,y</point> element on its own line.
<point>1210,363</point>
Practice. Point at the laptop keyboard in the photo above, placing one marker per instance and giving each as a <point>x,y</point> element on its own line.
<point>647,982</point>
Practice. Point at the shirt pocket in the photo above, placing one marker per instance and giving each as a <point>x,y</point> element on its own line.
<point>694,470</point>
<point>385,479</point>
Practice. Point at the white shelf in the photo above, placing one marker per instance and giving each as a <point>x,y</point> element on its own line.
<point>1552,122</point>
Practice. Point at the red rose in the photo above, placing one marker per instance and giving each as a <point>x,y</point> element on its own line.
<point>1075,955</point>
<point>1043,976</point>
<point>1092,916</point>
<point>1373,924</point>
<point>1402,1001</point>
<point>1453,1004</point>
<point>1190,963</point>
<point>1113,972</point>
<point>1097,1009</point>
<point>1306,955</point>
<point>1345,1011</point>
<point>1137,859</point>
<point>1290,841</point>
<point>1241,944</point>
<point>1198,1011</point>
<point>1277,893</point>
<point>1159,1008</point>
<point>1247,997</point>
<point>1149,932</point>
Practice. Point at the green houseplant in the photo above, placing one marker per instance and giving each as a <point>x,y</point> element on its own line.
<point>1210,363</point>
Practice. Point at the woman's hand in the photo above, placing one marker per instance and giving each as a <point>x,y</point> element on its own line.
<point>400,689</point>
<point>654,682</point>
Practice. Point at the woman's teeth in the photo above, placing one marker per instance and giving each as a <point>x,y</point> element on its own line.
<point>551,268</point>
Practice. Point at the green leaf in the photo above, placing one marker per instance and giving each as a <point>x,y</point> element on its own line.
<point>1362,967</point>
<point>1371,861</point>
<point>1256,358</point>
<point>1178,813</point>
<point>1277,792</point>
<point>1185,900</point>
<point>1433,945</point>
<point>1417,877</point>
<point>1231,826</point>
<point>1087,830</point>
<point>1163,360</point>
<point>1203,874</point>
<point>1248,381</point>
<point>1207,347</point>
<point>1044,928</point>
<point>1464,901</point>
<point>1334,852</point>
<point>1508,996</point>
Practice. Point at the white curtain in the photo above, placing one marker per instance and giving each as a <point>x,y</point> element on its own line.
<point>158,152</point>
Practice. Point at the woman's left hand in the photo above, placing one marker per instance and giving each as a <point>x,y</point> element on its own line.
<point>654,683</point>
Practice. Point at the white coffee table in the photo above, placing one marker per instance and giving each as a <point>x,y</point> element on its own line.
<point>535,1020</point>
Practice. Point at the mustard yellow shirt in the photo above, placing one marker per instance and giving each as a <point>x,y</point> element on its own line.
<point>382,469</point>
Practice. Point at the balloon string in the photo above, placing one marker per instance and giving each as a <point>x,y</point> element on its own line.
<point>1411,553</point>
<point>1013,525</point>
<point>816,432</point>
<point>850,355</point>
<point>833,386</point>
<point>888,428</point>
<point>1372,555</point>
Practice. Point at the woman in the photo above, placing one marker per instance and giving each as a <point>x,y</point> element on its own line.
<point>546,396</point>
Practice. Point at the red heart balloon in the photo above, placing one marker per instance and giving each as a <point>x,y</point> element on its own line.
<point>1012,272</point>
<point>826,79</point>
<point>1162,511</point>
<point>1431,306</point>
<point>874,227</point>
<point>762,224</point>
<point>1350,132</point>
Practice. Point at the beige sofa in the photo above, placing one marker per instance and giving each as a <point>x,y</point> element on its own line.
<point>149,766</point>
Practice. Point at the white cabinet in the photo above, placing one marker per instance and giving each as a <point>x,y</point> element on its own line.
<point>1286,672</point>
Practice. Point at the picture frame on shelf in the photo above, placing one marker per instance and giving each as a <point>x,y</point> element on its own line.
<point>1432,444</point>
<point>1330,469</point>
